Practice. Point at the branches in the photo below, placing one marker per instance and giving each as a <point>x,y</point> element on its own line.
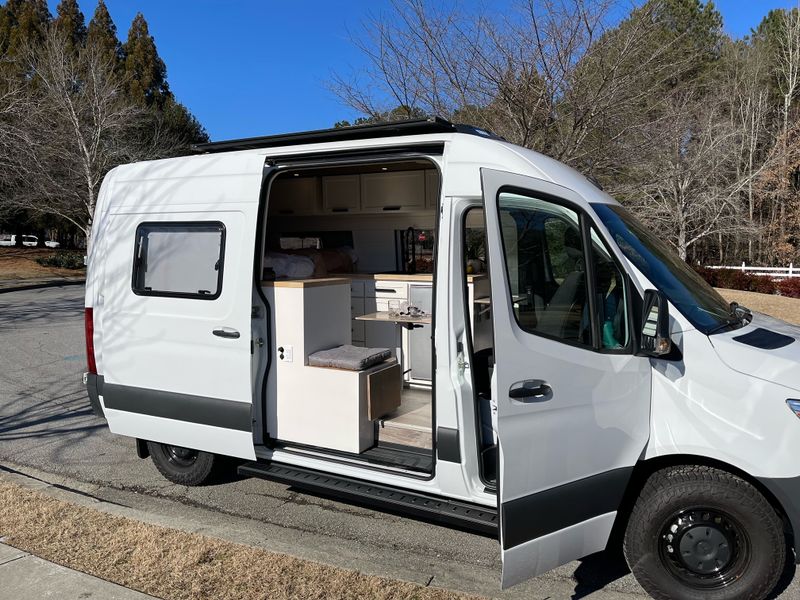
<point>649,97</point>
<point>66,126</point>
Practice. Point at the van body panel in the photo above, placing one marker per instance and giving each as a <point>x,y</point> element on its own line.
<point>765,349</point>
<point>166,346</point>
<point>603,397</point>
<point>555,549</point>
<point>227,442</point>
<point>701,407</point>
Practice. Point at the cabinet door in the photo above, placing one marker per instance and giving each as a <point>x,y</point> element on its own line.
<point>401,190</point>
<point>295,196</point>
<point>341,193</point>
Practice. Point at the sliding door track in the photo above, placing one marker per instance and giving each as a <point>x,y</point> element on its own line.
<point>424,506</point>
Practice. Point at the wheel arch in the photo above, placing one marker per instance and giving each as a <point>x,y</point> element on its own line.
<point>646,467</point>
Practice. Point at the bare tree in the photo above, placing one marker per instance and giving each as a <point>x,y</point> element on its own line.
<point>690,186</point>
<point>554,75</point>
<point>75,124</point>
<point>788,76</point>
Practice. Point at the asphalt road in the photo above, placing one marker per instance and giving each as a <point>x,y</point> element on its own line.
<point>46,425</point>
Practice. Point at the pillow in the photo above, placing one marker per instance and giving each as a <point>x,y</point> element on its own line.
<point>352,358</point>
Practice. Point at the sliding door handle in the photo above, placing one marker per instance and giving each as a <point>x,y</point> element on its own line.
<point>530,390</point>
<point>226,332</point>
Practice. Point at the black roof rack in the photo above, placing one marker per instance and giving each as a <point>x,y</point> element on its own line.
<point>341,134</point>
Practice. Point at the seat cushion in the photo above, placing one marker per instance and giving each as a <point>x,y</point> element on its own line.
<point>352,358</point>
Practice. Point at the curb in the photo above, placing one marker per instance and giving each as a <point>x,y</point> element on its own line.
<point>40,285</point>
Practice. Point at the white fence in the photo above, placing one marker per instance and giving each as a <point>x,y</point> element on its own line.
<point>774,272</point>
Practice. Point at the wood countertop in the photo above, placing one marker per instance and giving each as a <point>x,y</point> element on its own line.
<point>347,277</point>
<point>306,283</point>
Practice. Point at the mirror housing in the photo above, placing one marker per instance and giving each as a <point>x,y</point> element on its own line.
<point>654,334</point>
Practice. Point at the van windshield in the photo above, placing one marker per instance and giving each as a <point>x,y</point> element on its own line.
<point>689,293</point>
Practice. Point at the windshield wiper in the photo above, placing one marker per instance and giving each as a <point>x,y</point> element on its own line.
<point>731,322</point>
<point>739,315</point>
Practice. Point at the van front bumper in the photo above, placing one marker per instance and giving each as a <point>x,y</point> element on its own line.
<point>94,387</point>
<point>787,491</point>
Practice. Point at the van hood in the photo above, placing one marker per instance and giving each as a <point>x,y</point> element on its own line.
<point>767,349</point>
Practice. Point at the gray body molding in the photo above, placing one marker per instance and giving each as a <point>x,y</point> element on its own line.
<point>787,492</point>
<point>94,387</point>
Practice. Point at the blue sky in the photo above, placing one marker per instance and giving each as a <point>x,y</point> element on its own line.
<point>256,67</point>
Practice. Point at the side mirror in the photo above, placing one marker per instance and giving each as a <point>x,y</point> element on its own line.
<point>655,340</point>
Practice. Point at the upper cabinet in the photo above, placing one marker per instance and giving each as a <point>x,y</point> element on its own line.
<point>431,188</point>
<point>295,196</point>
<point>384,192</point>
<point>393,191</point>
<point>341,193</point>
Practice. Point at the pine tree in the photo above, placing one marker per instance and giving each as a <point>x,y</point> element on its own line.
<point>5,29</point>
<point>70,22</point>
<point>102,35</point>
<point>29,25</point>
<point>181,124</point>
<point>145,72</point>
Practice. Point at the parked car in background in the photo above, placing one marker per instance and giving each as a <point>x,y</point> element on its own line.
<point>52,244</point>
<point>27,240</point>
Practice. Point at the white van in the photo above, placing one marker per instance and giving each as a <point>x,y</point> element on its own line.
<point>423,317</point>
<point>30,241</point>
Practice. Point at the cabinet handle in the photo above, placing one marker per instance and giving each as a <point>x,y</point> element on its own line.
<point>392,207</point>
<point>340,210</point>
<point>386,290</point>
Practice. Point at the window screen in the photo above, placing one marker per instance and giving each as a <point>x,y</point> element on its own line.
<point>182,260</point>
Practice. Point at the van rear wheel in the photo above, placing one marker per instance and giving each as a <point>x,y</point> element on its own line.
<point>699,533</point>
<point>180,465</point>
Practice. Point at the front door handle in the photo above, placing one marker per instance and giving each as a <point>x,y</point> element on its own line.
<point>226,332</point>
<point>531,390</point>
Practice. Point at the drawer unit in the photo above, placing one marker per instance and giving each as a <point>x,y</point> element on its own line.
<point>356,306</point>
<point>395,290</point>
<point>390,295</point>
<point>358,331</point>
<point>357,288</point>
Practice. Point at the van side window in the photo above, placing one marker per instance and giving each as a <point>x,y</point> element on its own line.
<point>179,260</point>
<point>544,257</point>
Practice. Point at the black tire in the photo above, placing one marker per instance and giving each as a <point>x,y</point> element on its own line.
<point>699,533</point>
<point>182,465</point>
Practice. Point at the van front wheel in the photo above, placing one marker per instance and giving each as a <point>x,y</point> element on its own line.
<point>699,533</point>
<point>180,465</point>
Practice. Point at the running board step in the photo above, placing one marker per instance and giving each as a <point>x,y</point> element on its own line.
<point>443,510</point>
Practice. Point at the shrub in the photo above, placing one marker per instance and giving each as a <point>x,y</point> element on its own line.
<point>62,260</point>
<point>790,287</point>
<point>733,279</point>
<point>762,285</point>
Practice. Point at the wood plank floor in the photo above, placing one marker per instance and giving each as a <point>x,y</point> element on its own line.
<point>411,424</point>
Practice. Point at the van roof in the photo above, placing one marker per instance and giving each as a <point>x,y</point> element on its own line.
<point>461,151</point>
<point>341,134</point>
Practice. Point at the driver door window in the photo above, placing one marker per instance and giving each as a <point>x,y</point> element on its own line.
<point>546,263</point>
<point>544,256</point>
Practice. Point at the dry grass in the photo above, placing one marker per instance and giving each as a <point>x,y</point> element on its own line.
<point>779,307</point>
<point>173,564</point>
<point>19,263</point>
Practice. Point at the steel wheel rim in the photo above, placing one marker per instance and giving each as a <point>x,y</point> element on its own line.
<point>704,548</point>
<point>179,456</point>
